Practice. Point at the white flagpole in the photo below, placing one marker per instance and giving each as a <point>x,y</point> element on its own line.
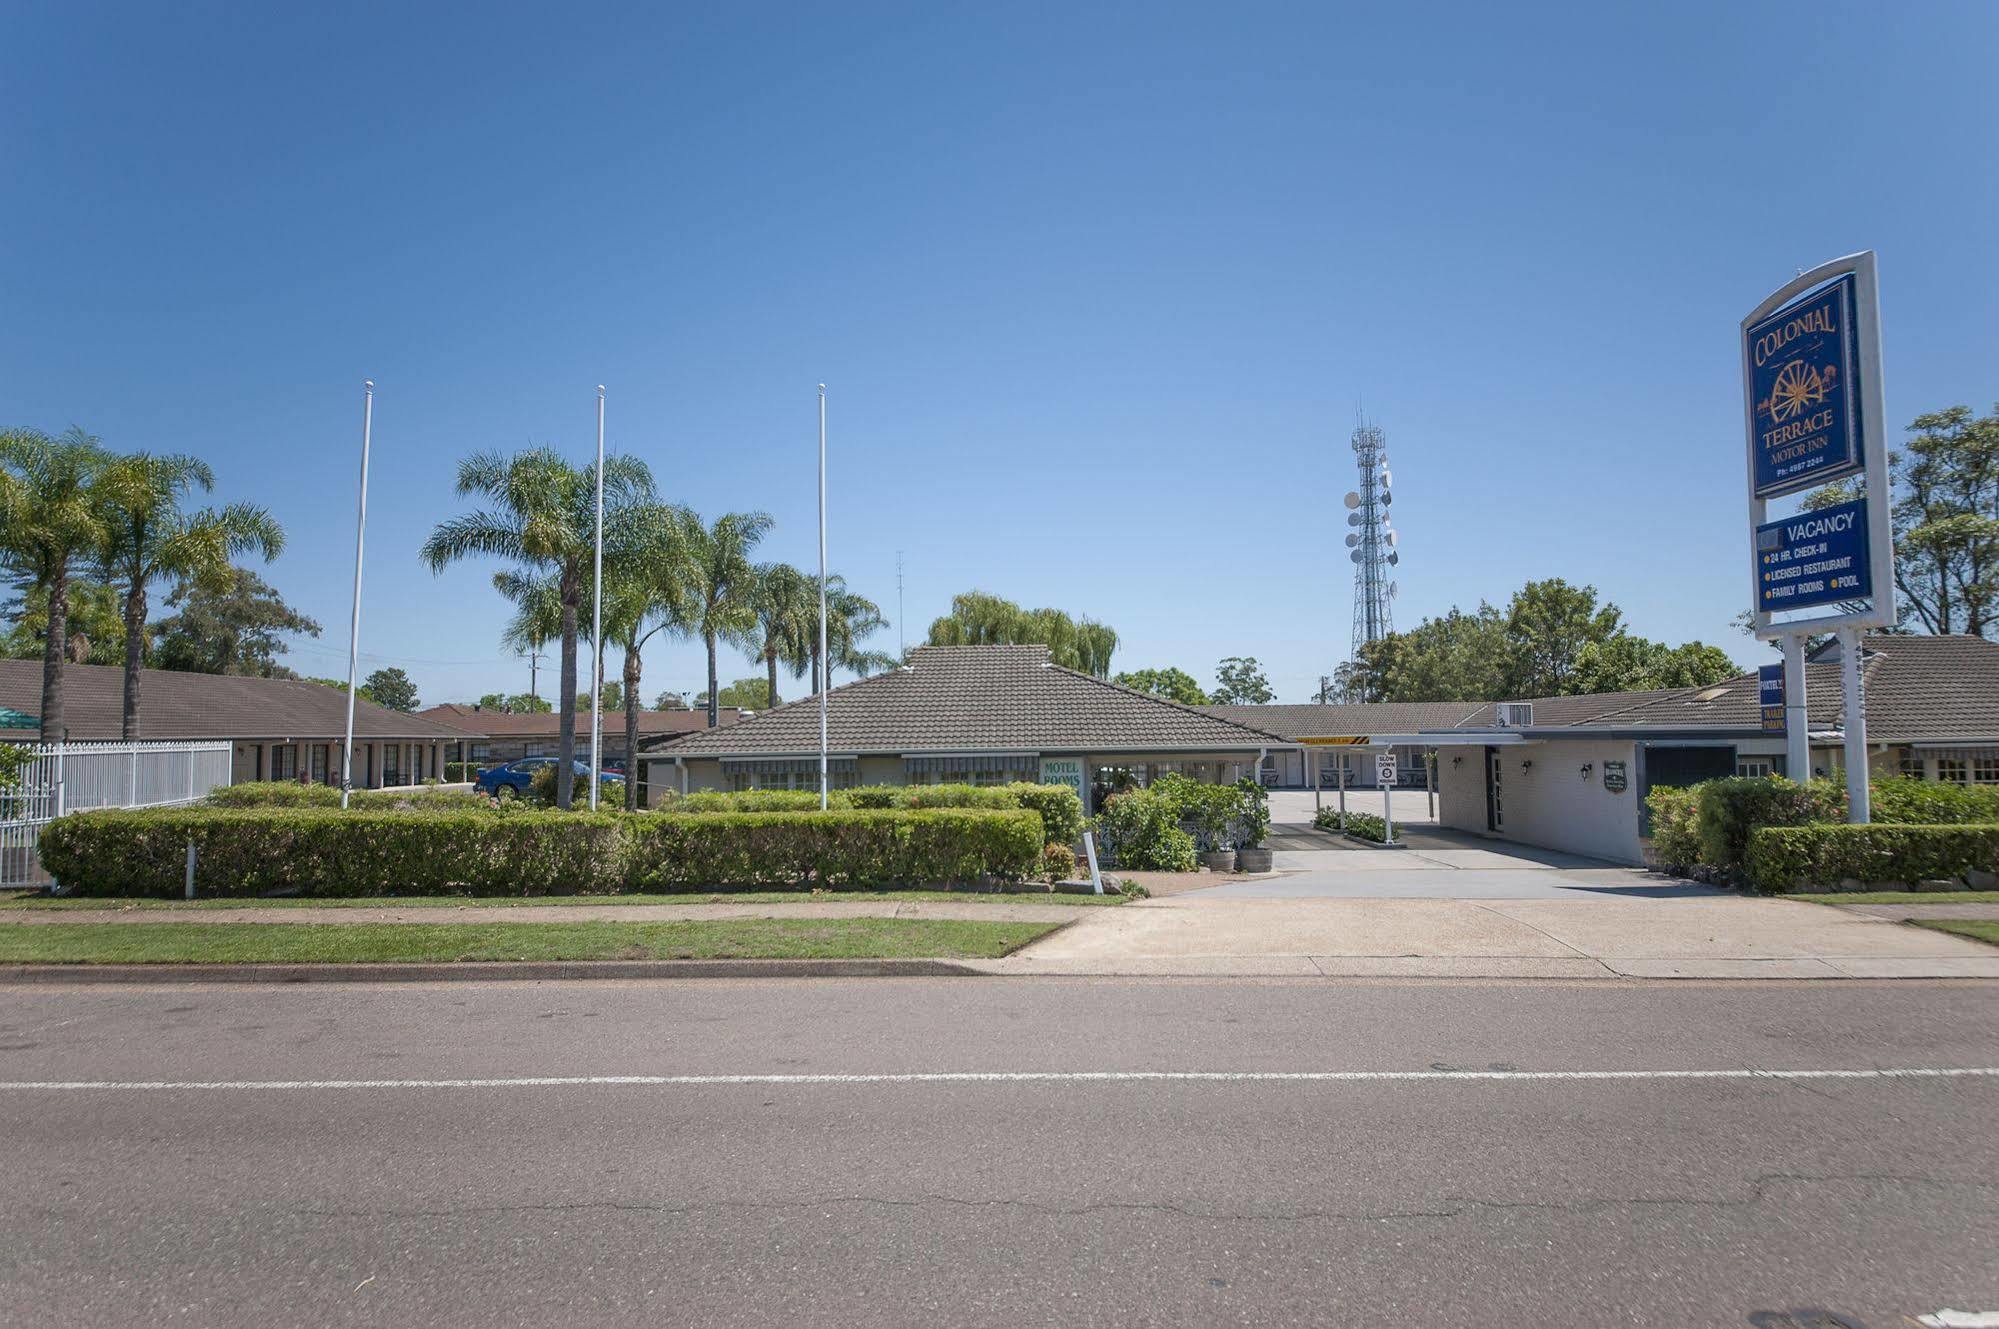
<point>825,663</point>
<point>597,629</point>
<point>354,625</point>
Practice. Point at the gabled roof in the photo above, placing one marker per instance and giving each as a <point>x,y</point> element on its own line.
<point>1355,720</point>
<point>477,723</point>
<point>961,699</point>
<point>175,705</point>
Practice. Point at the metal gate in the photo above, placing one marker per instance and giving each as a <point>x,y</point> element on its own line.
<point>60,778</point>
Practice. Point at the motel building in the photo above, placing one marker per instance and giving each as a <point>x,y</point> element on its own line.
<point>1563,773</point>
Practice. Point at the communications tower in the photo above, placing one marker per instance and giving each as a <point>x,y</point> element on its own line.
<point>1371,541</point>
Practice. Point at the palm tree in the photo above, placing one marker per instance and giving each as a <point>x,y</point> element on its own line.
<point>645,593</point>
<point>850,617</point>
<point>55,518</point>
<point>787,608</point>
<point>148,537</point>
<point>722,584</point>
<point>544,518</point>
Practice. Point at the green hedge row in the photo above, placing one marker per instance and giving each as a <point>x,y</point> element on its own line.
<point>1363,826</point>
<point>327,852</point>
<point>291,794</point>
<point>1709,825</point>
<point>1802,858</point>
<point>1061,811</point>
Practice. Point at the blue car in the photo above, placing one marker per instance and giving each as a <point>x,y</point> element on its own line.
<point>513,779</point>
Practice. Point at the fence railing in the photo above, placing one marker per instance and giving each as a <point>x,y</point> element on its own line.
<point>60,778</point>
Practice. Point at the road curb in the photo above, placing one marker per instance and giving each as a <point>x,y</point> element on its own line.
<point>478,970</point>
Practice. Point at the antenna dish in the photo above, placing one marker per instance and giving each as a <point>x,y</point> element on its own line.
<point>1355,555</point>
<point>1352,540</point>
<point>1385,477</point>
<point>1393,559</point>
<point>1387,497</point>
<point>1352,499</point>
<point>1390,537</point>
<point>1353,519</point>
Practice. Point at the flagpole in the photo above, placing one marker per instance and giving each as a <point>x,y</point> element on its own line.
<point>597,630</point>
<point>825,664</point>
<point>354,624</point>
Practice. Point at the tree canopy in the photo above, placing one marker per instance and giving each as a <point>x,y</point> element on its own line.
<point>234,624</point>
<point>978,618</point>
<point>1553,639</point>
<point>1170,683</point>
<point>1239,681</point>
<point>391,687</point>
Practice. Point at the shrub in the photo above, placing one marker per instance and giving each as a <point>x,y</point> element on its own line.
<point>324,851</point>
<point>1729,809</point>
<point>528,851</point>
<point>1908,801</point>
<point>1795,858</point>
<point>1061,810</point>
<point>462,772</point>
<point>1367,826</point>
<point>857,849</point>
<point>1255,813</point>
<point>758,800</point>
<point>1674,811</point>
<point>1058,862</point>
<point>1140,829</point>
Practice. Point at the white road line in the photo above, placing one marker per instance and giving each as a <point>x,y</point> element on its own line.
<point>1019,1077</point>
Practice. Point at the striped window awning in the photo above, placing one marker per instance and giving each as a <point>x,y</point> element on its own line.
<point>970,762</point>
<point>786,765</point>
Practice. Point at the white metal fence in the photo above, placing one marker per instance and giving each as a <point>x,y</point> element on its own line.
<point>61,778</point>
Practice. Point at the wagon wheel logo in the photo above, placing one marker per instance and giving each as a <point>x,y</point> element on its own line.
<point>1797,387</point>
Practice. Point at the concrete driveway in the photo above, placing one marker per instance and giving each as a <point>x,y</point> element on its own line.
<point>1438,864</point>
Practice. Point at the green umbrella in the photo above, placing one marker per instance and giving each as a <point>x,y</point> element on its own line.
<point>16,720</point>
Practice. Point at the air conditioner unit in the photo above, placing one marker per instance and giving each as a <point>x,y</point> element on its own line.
<point>1516,714</point>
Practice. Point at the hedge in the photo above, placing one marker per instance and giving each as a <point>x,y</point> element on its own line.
<point>860,849</point>
<point>1796,858</point>
<point>1140,830</point>
<point>292,794</point>
<point>327,852</point>
<point>324,851</point>
<point>1061,811</point>
<point>1367,826</point>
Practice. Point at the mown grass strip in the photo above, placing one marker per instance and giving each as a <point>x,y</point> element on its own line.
<point>1897,897</point>
<point>409,943</point>
<point>30,901</point>
<point>1978,929</point>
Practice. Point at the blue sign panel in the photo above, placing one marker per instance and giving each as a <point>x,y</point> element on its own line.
<point>1803,382</point>
<point>1770,696</point>
<point>1814,558</point>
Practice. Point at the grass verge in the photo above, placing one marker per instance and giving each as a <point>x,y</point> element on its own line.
<point>39,902</point>
<point>1898,897</point>
<point>406,943</point>
<point>1978,929</point>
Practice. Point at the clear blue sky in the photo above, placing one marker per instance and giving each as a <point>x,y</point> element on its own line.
<point>1096,289</point>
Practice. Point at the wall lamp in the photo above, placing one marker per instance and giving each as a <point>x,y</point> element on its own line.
<point>1457,761</point>
<point>1588,766</point>
<point>1527,765</point>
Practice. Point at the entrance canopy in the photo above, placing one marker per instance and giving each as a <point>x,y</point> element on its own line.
<point>1448,738</point>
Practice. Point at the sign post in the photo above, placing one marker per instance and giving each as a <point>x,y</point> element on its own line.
<point>1384,775</point>
<point>1811,390</point>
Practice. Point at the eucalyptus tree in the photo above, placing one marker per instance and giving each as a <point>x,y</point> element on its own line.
<point>722,584</point>
<point>55,521</point>
<point>149,537</point>
<point>646,594</point>
<point>787,607</point>
<point>542,517</point>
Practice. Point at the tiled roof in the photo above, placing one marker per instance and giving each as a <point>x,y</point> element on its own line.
<point>175,705</point>
<point>977,699</point>
<point>1357,720</point>
<point>1918,688</point>
<point>500,724</point>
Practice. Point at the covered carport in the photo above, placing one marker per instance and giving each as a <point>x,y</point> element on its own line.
<point>1383,800</point>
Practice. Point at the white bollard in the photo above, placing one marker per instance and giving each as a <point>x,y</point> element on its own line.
<point>190,869</point>
<point>1090,852</point>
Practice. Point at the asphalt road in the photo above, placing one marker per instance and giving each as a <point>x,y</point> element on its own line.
<point>270,1197</point>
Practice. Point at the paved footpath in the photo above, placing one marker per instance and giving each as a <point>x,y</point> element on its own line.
<point>959,1152</point>
<point>1599,936</point>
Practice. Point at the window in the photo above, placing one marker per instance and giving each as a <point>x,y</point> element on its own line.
<point>481,751</point>
<point>319,763</point>
<point>1985,768</point>
<point>1954,770</point>
<point>1755,767</point>
<point>535,750</point>
<point>1911,765</point>
<point>392,763</point>
<point>284,763</point>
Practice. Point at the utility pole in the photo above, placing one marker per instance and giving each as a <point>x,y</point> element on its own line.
<point>534,673</point>
<point>901,642</point>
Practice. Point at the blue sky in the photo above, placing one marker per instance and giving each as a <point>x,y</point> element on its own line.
<point>1096,290</point>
